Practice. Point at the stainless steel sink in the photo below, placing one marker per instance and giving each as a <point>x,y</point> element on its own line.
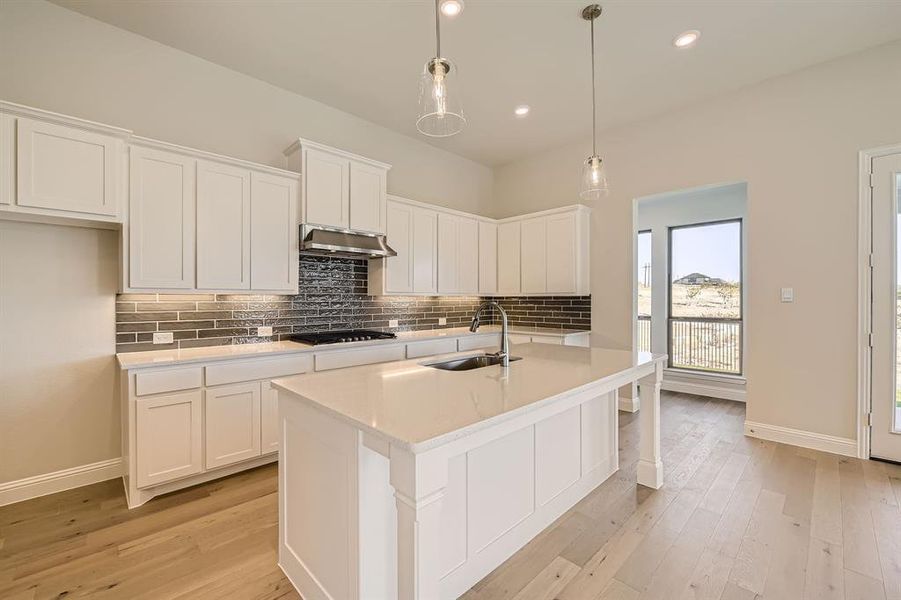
<point>468,363</point>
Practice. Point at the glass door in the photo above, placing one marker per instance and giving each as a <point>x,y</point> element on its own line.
<point>886,364</point>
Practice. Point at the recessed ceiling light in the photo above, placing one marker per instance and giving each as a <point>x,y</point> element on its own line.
<point>451,8</point>
<point>521,110</point>
<point>687,39</point>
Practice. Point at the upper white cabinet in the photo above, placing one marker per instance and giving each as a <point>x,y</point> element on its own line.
<point>161,230</point>
<point>60,167</point>
<point>273,230</point>
<point>340,189</point>
<point>533,256</point>
<point>508,258</point>
<point>223,227</point>
<point>487,258</point>
<point>412,232</point>
<point>203,222</point>
<point>458,254</point>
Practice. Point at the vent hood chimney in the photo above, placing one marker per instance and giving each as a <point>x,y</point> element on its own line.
<point>327,241</point>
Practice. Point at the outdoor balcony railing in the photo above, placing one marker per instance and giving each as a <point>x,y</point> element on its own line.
<point>705,344</point>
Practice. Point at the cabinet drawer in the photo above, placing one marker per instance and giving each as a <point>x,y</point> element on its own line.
<point>171,380</point>
<point>479,341</point>
<point>547,339</point>
<point>431,347</point>
<point>362,356</point>
<point>233,372</point>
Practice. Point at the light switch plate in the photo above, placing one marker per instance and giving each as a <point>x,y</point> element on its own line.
<point>264,331</point>
<point>163,337</point>
<point>788,295</point>
<point>392,322</point>
<point>442,320</point>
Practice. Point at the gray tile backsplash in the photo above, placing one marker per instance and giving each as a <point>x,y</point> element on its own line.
<point>332,296</point>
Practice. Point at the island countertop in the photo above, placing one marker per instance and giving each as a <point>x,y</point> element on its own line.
<point>420,407</point>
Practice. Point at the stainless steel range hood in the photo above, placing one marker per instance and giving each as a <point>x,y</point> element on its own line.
<point>327,241</point>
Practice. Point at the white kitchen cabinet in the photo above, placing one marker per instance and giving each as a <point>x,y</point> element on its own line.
<point>340,189</point>
<point>487,258</point>
<point>399,275</point>
<point>562,245</point>
<point>273,232</point>
<point>533,254</point>
<point>425,251</point>
<point>508,258</point>
<point>67,170</point>
<point>268,418</point>
<point>458,254</point>
<point>161,219</point>
<point>223,227</point>
<point>7,159</point>
<point>232,424</point>
<point>169,437</point>
<point>368,193</point>
<point>448,254</point>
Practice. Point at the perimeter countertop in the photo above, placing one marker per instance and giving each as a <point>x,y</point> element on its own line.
<point>421,407</point>
<point>154,358</point>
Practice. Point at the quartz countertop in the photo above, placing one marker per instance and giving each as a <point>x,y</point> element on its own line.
<point>155,358</point>
<point>421,407</point>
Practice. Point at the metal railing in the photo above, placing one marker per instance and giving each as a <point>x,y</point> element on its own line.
<point>703,344</point>
<point>644,333</point>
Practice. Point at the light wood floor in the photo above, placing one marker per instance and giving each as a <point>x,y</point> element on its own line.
<point>737,518</point>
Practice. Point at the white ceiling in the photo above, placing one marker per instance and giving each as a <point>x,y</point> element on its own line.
<point>365,56</point>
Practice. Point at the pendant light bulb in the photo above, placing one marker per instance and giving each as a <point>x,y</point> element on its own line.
<point>594,172</point>
<point>440,113</point>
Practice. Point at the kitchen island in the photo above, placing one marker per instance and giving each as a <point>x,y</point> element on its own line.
<point>401,480</point>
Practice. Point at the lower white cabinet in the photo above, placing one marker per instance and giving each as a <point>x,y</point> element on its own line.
<point>232,423</point>
<point>169,436</point>
<point>268,418</point>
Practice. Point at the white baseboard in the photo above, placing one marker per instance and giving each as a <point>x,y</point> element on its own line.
<point>59,481</point>
<point>629,404</point>
<point>804,439</point>
<point>711,390</point>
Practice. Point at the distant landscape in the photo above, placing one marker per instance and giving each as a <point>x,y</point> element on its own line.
<point>713,299</point>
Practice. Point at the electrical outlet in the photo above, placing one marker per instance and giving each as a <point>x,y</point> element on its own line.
<point>392,322</point>
<point>163,337</point>
<point>442,320</point>
<point>787,294</point>
<point>264,331</point>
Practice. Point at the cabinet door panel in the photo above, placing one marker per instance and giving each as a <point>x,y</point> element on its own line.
<point>367,197</point>
<point>169,434</point>
<point>425,246</point>
<point>487,258</point>
<point>561,253</point>
<point>448,254</point>
<point>232,424</point>
<point>400,237</point>
<point>534,256</point>
<point>268,418</point>
<point>467,256</point>
<point>161,219</point>
<point>67,169</point>
<point>273,232</point>
<point>223,227</point>
<point>508,258</point>
<point>7,159</point>
<point>326,189</point>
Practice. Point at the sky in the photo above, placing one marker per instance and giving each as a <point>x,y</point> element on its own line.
<point>713,250</point>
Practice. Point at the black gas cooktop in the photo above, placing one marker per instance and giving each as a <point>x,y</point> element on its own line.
<point>334,337</point>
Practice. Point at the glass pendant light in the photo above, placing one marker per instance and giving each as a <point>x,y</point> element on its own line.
<point>440,112</point>
<point>594,172</point>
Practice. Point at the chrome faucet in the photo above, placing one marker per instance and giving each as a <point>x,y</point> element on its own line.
<point>504,353</point>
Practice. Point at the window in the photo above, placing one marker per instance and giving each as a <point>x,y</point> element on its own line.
<point>643,290</point>
<point>705,307</point>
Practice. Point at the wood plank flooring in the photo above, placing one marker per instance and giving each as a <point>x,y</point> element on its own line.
<point>737,518</point>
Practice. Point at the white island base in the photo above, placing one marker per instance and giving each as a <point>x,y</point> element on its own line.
<point>371,512</point>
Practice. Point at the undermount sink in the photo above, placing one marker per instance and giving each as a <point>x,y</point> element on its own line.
<point>468,363</point>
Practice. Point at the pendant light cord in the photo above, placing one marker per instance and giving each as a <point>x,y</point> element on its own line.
<point>438,28</point>
<point>594,104</point>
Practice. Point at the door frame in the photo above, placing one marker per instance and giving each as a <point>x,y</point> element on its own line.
<point>865,294</point>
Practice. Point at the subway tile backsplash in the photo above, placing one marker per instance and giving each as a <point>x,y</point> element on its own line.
<point>332,295</point>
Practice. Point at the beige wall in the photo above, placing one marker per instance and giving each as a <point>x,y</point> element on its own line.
<point>795,140</point>
<point>58,405</point>
<point>59,60</point>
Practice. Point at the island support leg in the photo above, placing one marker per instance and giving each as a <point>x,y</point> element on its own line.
<point>650,467</point>
<point>419,483</point>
